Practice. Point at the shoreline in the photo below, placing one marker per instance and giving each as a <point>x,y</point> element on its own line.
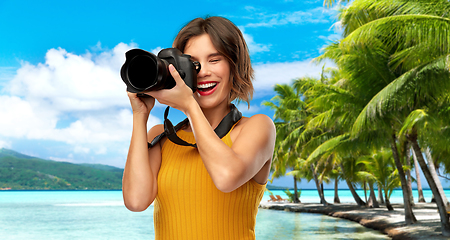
<point>391,223</point>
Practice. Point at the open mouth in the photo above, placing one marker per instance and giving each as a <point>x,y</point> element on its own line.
<point>206,88</point>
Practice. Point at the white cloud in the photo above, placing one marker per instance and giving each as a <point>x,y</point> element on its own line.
<point>21,118</point>
<point>331,38</point>
<point>61,159</point>
<point>252,45</point>
<point>70,82</point>
<point>156,50</point>
<point>243,107</point>
<point>315,15</point>
<point>85,90</point>
<point>81,149</point>
<point>269,74</point>
<point>5,144</point>
<point>101,150</point>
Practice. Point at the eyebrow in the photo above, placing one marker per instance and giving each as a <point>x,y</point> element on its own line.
<point>209,56</point>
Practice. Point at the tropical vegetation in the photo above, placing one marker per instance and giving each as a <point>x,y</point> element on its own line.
<point>384,103</point>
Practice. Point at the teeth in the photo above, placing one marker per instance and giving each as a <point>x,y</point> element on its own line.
<point>206,85</point>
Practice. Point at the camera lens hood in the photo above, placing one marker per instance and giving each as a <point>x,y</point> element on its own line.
<point>143,71</point>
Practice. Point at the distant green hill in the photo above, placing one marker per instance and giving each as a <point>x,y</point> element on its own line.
<point>22,172</point>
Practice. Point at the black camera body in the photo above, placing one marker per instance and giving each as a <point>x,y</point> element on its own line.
<point>144,71</point>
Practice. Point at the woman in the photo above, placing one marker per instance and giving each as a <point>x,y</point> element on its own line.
<point>212,191</point>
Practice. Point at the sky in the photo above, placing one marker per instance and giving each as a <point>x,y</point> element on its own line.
<point>61,95</point>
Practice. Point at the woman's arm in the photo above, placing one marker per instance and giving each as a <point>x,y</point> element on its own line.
<point>228,167</point>
<point>139,184</point>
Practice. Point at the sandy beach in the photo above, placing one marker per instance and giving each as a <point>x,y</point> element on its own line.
<point>391,223</point>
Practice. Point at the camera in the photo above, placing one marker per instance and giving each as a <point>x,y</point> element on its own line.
<point>144,71</point>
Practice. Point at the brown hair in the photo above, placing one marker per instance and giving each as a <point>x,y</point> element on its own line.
<point>229,41</point>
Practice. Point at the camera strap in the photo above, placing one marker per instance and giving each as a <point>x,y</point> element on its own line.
<point>171,132</point>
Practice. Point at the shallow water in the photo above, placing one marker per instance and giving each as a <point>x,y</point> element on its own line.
<point>101,215</point>
<point>274,225</point>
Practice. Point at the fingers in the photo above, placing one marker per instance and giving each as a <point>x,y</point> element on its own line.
<point>161,94</point>
<point>176,97</point>
<point>137,103</point>
<point>175,74</point>
<point>131,95</point>
<point>141,96</point>
<point>135,96</point>
<point>149,101</point>
<point>178,81</point>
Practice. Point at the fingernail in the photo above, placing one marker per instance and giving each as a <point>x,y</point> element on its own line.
<point>171,68</point>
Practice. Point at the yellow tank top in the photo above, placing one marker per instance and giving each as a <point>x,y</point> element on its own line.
<point>188,204</point>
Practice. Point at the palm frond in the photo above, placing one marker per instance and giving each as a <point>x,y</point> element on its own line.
<point>362,12</point>
<point>425,82</point>
<point>327,146</point>
<point>400,32</point>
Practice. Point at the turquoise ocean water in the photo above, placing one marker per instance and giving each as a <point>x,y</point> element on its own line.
<point>101,215</point>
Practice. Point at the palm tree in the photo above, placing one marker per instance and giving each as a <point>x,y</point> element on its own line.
<point>289,118</point>
<point>320,127</point>
<point>376,64</point>
<point>333,109</point>
<point>418,181</point>
<point>309,172</point>
<point>414,36</point>
<point>420,120</point>
<point>381,168</point>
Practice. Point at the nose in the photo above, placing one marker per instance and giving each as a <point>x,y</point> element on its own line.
<point>204,70</point>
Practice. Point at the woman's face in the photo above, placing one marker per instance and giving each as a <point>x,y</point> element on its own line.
<point>213,80</point>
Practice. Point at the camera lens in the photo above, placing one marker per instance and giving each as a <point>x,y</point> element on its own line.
<point>142,72</point>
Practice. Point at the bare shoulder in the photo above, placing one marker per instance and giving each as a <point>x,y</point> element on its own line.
<point>155,131</point>
<point>258,120</point>
<point>257,123</point>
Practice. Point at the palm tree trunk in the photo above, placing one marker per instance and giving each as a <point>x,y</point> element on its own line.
<point>408,176</point>
<point>321,187</point>
<point>372,199</point>
<point>380,195</point>
<point>336,195</point>
<point>355,195</point>
<point>388,203</point>
<point>445,224</point>
<point>419,183</point>
<point>409,215</point>
<point>432,169</point>
<point>296,200</point>
<point>316,180</point>
<point>365,190</point>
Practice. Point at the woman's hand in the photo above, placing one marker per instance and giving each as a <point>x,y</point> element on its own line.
<point>179,97</point>
<point>139,184</point>
<point>141,105</point>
